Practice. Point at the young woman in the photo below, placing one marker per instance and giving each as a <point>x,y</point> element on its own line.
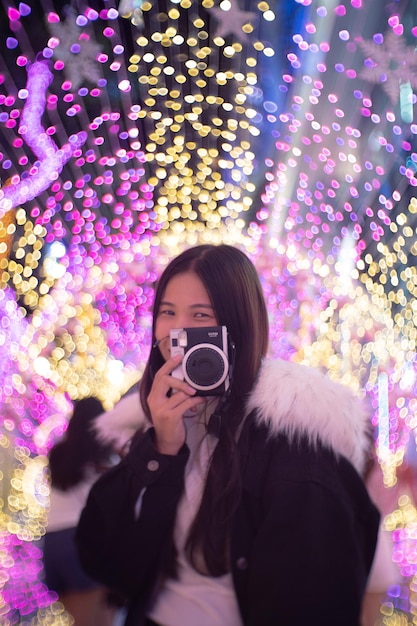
<point>75,462</point>
<point>246,508</point>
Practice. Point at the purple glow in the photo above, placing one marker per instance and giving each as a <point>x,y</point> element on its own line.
<point>52,159</point>
<point>24,9</point>
<point>11,43</point>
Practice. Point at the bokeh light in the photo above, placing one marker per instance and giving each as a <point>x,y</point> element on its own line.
<point>130,130</point>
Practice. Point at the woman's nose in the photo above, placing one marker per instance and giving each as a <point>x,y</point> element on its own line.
<point>182,321</point>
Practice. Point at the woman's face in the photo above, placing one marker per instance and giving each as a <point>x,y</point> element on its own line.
<point>185,304</point>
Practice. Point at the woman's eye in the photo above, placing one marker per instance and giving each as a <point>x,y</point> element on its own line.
<point>166,312</point>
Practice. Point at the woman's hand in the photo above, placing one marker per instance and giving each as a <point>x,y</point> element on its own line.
<point>167,409</point>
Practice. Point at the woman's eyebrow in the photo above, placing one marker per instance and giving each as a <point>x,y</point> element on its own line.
<point>196,305</point>
<point>201,306</point>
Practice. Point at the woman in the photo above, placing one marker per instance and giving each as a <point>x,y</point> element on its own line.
<point>75,462</point>
<point>241,509</point>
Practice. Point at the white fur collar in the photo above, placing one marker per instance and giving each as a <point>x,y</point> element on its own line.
<point>289,398</point>
<point>299,400</point>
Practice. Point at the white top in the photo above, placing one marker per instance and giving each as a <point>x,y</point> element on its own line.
<point>192,598</point>
<point>65,506</point>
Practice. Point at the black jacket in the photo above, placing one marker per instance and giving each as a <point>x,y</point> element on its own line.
<point>304,532</point>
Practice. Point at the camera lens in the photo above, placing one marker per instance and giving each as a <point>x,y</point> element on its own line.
<point>205,367</point>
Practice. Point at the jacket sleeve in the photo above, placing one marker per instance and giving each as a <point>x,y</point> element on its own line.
<point>125,530</point>
<point>313,544</point>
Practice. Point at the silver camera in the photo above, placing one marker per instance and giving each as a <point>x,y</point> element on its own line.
<point>205,363</point>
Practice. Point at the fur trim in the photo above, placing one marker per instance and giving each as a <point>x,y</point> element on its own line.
<point>289,398</point>
<point>120,424</point>
<point>299,400</point>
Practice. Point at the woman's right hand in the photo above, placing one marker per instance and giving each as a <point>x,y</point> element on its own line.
<point>168,400</point>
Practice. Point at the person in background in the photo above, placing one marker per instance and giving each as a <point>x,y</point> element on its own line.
<point>117,426</point>
<point>386,573</point>
<point>75,462</point>
<point>242,508</point>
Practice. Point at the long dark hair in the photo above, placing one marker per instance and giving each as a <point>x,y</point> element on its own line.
<point>233,286</point>
<point>79,449</point>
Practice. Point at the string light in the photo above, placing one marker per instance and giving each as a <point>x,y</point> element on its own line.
<point>189,124</point>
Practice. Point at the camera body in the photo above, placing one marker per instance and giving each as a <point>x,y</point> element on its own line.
<point>205,364</point>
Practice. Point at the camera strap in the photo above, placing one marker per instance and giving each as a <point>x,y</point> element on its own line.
<point>215,421</point>
<point>231,347</point>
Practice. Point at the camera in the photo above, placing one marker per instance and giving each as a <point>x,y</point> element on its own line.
<point>205,363</point>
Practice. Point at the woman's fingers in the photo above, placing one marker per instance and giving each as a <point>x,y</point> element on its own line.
<point>164,381</point>
<point>168,400</point>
